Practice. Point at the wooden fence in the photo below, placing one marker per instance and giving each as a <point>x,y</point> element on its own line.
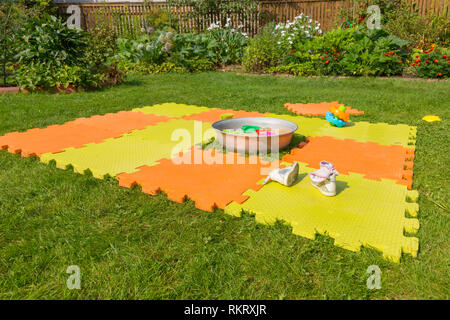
<point>129,18</point>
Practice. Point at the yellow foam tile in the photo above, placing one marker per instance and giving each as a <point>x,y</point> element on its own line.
<point>172,110</point>
<point>129,152</point>
<point>381,133</point>
<point>363,213</point>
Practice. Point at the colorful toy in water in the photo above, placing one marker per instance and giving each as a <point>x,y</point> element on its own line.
<point>249,130</point>
<point>337,116</point>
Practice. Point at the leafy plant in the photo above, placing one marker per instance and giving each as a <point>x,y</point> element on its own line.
<point>300,29</point>
<point>41,76</point>
<point>230,42</point>
<point>141,51</point>
<point>54,56</point>
<point>431,64</point>
<point>101,45</point>
<point>263,51</point>
<point>191,46</point>
<point>374,52</point>
<point>356,51</point>
<point>49,41</point>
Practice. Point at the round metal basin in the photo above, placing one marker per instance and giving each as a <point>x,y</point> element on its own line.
<point>254,144</point>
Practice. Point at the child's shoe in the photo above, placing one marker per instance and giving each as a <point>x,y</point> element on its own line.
<point>324,179</point>
<point>286,176</point>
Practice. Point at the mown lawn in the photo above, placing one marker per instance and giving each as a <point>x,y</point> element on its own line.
<point>131,245</point>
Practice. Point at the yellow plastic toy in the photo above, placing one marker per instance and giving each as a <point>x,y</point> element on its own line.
<point>431,118</point>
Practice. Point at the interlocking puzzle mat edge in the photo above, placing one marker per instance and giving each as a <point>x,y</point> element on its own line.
<point>411,137</point>
<point>223,178</point>
<point>372,159</point>
<point>361,131</point>
<point>310,213</point>
<point>318,109</point>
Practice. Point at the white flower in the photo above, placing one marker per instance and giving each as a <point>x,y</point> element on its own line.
<point>140,46</point>
<point>148,48</point>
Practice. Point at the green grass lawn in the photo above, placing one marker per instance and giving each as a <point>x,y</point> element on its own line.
<point>132,245</point>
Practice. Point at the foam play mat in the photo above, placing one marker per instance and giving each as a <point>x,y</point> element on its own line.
<point>317,109</point>
<point>160,149</point>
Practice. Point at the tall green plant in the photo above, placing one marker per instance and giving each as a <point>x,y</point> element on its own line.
<point>5,40</point>
<point>49,41</point>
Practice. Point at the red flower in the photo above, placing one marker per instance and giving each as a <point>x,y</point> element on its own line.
<point>435,61</point>
<point>448,61</point>
<point>413,64</point>
<point>444,57</point>
<point>399,62</point>
<point>418,64</point>
<point>335,59</point>
<point>327,62</point>
<point>439,74</point>
<point>360,19</point>
<point>322,58</point>
<point>428,61</point>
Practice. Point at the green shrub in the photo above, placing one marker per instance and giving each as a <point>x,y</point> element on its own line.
<point>101,45</point>
<point>34,76</point>
<point>300,29</point>
<point>49,41</point>
<point>406,22</point>
<point>374,52</point>
<point>13,15</point>
<point>150,47</point>
<point>357,51</point>
<point>263,52</point>
<point>189,46</point>
<point>55,56</point>
<point>230,44</point>
<point>435,64</point>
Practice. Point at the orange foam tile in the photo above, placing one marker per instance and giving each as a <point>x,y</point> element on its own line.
<point>318,109</point>
<point>209,185</point>
<point>75,134</point>
<point>214,115</point>
<point>122,122</point>
<point>374,160</point>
